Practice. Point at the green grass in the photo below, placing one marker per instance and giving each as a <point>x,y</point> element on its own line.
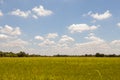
<point>63,68</point>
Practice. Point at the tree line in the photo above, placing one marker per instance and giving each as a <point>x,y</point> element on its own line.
<point>19,54</point>
<point>89,55</point>
<point>23,54</point>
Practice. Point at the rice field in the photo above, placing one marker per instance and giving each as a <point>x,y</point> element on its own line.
<point>60,68</point>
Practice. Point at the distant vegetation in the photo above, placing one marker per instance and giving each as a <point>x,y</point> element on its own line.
<point>23,54</point>
<point>89,55</point>
<point>19,54</point>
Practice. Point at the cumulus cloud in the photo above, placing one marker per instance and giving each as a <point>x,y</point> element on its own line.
<point>34,16</point>
<point>52,35</point>
<point>9,30</point>
<point>41,11</point>
<point>47,37</point>
<point>118,24</point>
<point>39,38</point>
<point>6,29</point>
<point>94,38</point>
<point>35,13</point>
<point>94,45</point>
<point>9,39</point>
<point>3,36</point>
<point>81,27</point>
<point>46,43</point>
<point>62,45</point>
<point>98,16</point>
<point>16,31</point>
<point>90,47</point>
<point>20,13</point>
<point>15,43</point>
<point>93,41</point>
<point>1,14</point>
<point>62,41</point>
<point>66,39</point>
<point>66,45</point>
<point>115,42</point>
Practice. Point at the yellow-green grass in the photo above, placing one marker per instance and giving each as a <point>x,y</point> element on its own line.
<point>60,68</point>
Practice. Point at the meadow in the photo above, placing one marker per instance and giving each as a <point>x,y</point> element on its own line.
<point>60,68</point>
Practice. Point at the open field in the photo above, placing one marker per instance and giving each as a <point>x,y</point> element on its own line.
<point>60,68</point>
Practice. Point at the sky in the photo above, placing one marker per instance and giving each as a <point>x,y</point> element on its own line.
<point>70,27</point>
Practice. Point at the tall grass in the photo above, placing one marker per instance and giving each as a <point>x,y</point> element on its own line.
<point>63,68</point>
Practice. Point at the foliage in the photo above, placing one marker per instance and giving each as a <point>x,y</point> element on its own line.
<point>23,54</point>
<point>20,54</point>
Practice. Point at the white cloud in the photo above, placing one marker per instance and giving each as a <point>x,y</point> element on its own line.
<point>95,44</point>
<point>63,45</point>
<point>1,14</point>
<point>16,43</point>
<point>34,16</point>
<point>94,38</point>
<point>52,35</point>
<point>39,38</point>
<point>9,30</point>
<point>9,39</point>
<point>98,16</point>
<point>3,36</point>
<point>118,24</point>
<point>47,43</point>
<point>20,13</point>
<point>91,34</point>
<point>93,47</point>
<point>81,27</point>
<point>89,13</point>
<point>16,31</point>
<point>6,29</point>
<point>40,11</point>
<point>66,39</point>
<point>35,13</point>
<point>115,42</point>
<point>49,36</point>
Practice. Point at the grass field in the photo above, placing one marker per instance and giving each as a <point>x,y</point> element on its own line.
<point>63,68</point>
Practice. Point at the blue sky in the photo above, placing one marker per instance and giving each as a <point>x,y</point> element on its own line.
<point>60,26</point>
